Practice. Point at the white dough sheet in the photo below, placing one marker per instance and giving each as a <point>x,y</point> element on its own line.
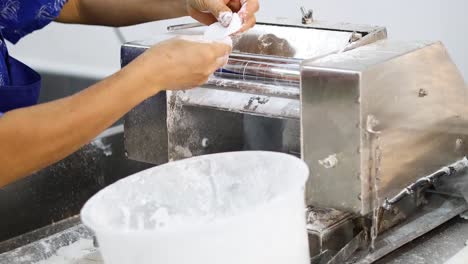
<point>217,31</point>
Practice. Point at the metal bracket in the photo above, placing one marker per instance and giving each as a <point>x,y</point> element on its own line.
<point>425,182</point>
<point>307,16</point>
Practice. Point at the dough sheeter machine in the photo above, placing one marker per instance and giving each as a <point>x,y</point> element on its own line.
<point>382,125</point>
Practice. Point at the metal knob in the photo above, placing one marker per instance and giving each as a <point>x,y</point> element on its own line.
<point>307,16</point>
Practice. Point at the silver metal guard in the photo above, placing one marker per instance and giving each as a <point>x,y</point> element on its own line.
<point>377,118</point>
<point>191,123</point>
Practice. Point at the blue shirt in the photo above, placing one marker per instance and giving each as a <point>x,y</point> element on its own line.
<point>19,84</point>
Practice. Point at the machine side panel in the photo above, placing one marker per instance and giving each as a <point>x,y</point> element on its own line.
<point>330,137</point>
<point>412,120</point>
<point>145,125</point>
<point>415,112</point>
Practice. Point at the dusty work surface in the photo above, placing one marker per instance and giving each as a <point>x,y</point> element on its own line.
<point>436,247</point>
<point>75,246</point>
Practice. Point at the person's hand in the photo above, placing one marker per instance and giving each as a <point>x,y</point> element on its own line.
<point>211,11</point>
<point>179,63</point>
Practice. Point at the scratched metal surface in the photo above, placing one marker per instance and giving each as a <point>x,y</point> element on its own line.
<point>436,247</point>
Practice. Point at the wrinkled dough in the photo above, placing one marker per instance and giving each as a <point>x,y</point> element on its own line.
<point>217,31</point>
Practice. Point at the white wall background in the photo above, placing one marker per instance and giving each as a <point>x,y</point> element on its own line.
<point>94,51</point>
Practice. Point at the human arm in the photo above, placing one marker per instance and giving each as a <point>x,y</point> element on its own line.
<point>125,13</point>
<point>120,13</point>
<point>34,137</point>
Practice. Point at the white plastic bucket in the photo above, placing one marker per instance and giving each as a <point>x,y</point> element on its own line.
<point>231,208</point>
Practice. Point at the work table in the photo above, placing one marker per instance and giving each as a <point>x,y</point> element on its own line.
<point>70,242</point>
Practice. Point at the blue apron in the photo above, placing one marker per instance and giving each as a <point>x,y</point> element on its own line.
<point>19,84</point>
<point>24,87</point>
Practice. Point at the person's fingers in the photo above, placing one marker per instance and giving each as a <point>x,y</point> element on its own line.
<point>252,6</point>
<point>234,5</point>
<point>248,24</point>
<point>204,18</point>
<point>221,62</point>
<point>248,9</point>
<point>221,49</point>
<point>221,11</point>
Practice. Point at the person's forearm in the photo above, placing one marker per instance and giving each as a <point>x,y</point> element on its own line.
<point>35,137</point>
<point>121,12</point>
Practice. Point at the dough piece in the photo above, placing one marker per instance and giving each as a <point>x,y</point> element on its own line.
<point>217,31</point>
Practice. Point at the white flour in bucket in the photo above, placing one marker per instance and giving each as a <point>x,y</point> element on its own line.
<point>226,208</point>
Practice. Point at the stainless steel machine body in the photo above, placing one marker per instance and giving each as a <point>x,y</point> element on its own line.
<point>377,118</point>
<point>261,80</point>
<point>378,122</point>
